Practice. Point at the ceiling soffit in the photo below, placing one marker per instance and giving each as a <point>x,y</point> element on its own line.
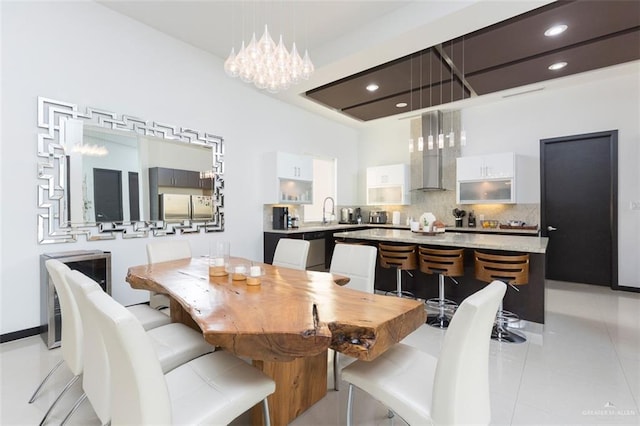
<point>506,55</point>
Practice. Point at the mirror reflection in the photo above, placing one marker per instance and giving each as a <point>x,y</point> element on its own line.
<point>123,177</point>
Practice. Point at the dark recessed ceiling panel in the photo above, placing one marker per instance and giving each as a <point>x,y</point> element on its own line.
<point>604,53</point>
<point>401,76</point>
<point>506,55</point>
<point>523,37</point>
<point>416,100</point>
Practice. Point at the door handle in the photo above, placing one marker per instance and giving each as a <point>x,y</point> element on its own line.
<point>551,228</point>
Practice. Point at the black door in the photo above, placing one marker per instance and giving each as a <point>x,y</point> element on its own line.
<point>134,197</point>
<point>578,179</point>
<point>107,194</point>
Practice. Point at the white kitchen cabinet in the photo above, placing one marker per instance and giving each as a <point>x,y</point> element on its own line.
<point>288,178</point>
<point>486,179</point>
<point>388,185</point>
<point>294,166</point>
<point>491,166</point>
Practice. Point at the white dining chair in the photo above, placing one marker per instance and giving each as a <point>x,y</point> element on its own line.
<point>72,328</point>
<point>451,389</point>
<point>212,389</point>
<point>164,251</point>
<point>71,332</point>
<point>291,253</point>
<point>358,263</point>
<point>174,345</point>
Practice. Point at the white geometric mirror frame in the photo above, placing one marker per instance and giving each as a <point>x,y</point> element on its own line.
<point>52,228</point>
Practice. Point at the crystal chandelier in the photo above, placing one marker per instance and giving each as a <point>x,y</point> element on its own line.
<point>267,65</point>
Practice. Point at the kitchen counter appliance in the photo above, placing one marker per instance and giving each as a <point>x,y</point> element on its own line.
<point>349,216</point>
<point>175,206</point>
<point>280,217</point>
<point>379,216</point>
<point>201,207</point>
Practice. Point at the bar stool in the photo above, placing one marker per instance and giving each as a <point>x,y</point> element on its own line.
<point>513,270</point>
<point>446,263</point>
<point>401,258</point>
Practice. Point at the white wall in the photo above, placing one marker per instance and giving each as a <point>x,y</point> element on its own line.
<point>83,53</point>
<point>517,124</point>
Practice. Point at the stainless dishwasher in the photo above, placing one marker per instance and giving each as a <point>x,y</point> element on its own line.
<point>316,257</point>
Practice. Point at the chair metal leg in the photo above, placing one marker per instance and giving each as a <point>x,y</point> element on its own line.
<point>74,408</point>
<point>55,367</point>
<point>265,412</point>
<point>350,406</point>
<point>335,371</point>
<point>66,388</point>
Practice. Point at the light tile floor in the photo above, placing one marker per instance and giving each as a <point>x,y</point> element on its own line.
<point>583,368</point>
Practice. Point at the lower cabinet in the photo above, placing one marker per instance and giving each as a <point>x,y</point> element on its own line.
<point>320,248</point>
<point>270,241</point>
<point>95,264</point>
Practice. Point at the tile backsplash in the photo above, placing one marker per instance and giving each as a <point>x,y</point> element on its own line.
<point>441,204</point>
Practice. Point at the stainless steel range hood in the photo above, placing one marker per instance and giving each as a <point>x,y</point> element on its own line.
<point>426,165</point>
<point>434,169</point>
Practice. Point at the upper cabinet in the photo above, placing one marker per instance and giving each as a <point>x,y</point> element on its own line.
<point>486,179</point>
<point>176,178</point>
<point>288,178</point>
<point>388,185</point>
<point>293,166</point>
<point>479,167</point>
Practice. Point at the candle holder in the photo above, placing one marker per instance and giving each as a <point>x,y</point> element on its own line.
<point>238,270</point>
<point>218,258</point>
<point>255,275</point>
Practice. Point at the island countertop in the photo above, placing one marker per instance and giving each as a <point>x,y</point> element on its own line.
<point>453,239</point>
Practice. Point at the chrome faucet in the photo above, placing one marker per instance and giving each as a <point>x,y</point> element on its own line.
<point>324,204</point>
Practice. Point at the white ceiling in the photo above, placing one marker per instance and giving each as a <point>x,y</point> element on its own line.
<point>343,37</point>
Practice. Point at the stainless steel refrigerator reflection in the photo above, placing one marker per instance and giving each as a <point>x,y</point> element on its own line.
<point>175,206</point>
<point>201,207</point>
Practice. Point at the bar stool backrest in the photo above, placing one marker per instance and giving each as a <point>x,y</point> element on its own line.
<point>398,256</point>
<point>447,262</point>
<point>512,269</point>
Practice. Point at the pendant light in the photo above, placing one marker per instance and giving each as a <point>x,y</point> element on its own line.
<point>421,138</point>
<point>451,134</point>
<point>440,134</point>
<point>463,134</point>
<point>430,138</point>
<point>411,148</point>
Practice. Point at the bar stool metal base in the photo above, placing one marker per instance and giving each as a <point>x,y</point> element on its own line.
<point>506,335</point>
<point>502,332</point>
<point>440,321</point>
<point>445,307</point>
<point>399,291</point>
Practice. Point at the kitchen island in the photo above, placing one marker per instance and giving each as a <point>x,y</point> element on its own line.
<point>528,302</point>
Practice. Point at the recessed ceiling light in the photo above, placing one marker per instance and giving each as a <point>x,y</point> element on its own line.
<point>557,66</point>
<point>372,87</point>
<point>401,104</point>
<point>555,30</point>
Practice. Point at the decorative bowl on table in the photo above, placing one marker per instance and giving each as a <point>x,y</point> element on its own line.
<point>489,223</point>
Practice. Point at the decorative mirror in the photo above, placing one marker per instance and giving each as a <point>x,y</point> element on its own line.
<point>104,175</point>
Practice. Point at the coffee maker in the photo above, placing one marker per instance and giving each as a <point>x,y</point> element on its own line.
<point>280,217</point>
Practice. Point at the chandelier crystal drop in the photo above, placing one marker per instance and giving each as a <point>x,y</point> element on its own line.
<point>269,65</point>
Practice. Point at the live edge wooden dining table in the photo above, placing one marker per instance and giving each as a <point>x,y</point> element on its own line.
<point>284,325</point>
